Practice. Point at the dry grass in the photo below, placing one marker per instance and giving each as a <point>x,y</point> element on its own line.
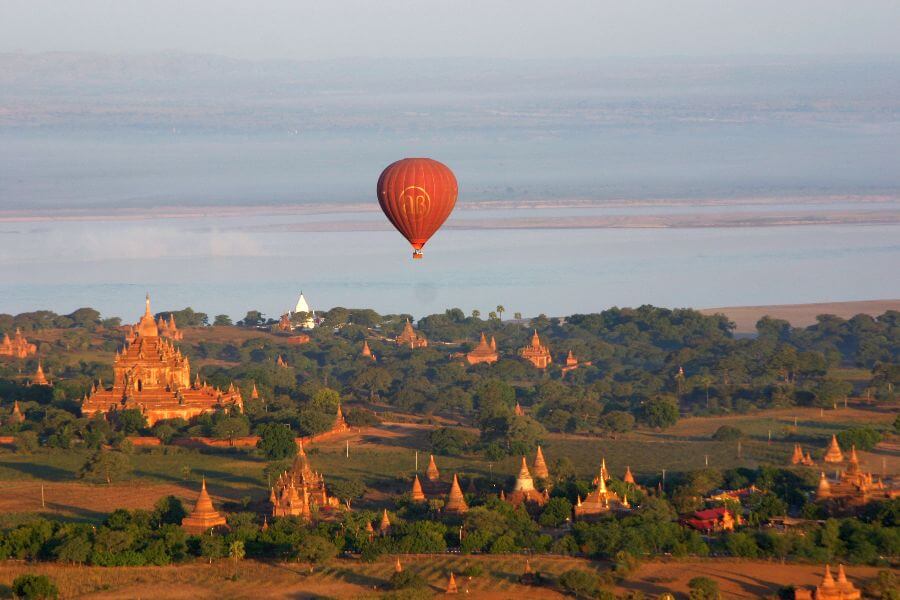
<point>800,315</point>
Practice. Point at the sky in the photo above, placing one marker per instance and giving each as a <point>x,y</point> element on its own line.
<point>315,30</point>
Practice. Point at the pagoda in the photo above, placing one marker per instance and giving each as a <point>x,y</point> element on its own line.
<point>484,352</point>
<point>524,490</point>
<point>366,351</point>
<point>254,394</point>
<point>628,477</point>
<point>302,308</point>
<point>539,467</point>
<point>572,363</point>
<point>153,376</point>
<point>339,423</point>
<point>834,454</point>
<point>432,472</point>
<point>451,585</point>
<point>417,494</point>
<point>798,458</point>
<point>829,589</point>
<point>284,323</point>
<point>16,416</point>
<point>601,500</point>
<point>300,490</point>
<point>456,502</point>
<point>204,516</point>
<point>17,347</point>
<point>384,527</point>
<point>39,377</point>
<point>518,410</point>
<point>168,329</point>
<point>410,338</point>
<point>536,353</point>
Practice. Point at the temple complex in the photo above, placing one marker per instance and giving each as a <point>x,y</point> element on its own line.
<point>572,363</point>
<point>204,516</point>
<point>539,467</point>
<point>798,458</point>
<point>834,454</point>
<point>456,502</point>
<point>484,352</point>
<point>712,520</point>
<point>300,491</point>
<point>601,500</point>
<point>17,347</point>
<point>852,488</point>
<point>524,490</point>
<point>302,308</point>
<point>830,589</point>
<point>168,329</point>
<point>366,351</point>
<point>153,376</point>
<point>536,353</point>
<point>409,337</point>
<point>39,377</point>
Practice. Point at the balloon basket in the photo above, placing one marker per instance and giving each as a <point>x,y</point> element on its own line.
<point>417,254</point>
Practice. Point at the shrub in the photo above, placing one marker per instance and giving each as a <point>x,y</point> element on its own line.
<point>406,580</point>
<point>727,433</point>
<point>703,588</point>
<point>581,584</point>
<point>34,587</point>
<point>864,438</point>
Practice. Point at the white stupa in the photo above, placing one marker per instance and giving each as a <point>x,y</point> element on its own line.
<point>303,307</point>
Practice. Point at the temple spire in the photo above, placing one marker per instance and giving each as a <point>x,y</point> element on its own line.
<point>539,469</point>
<point>432,472</point>
<point>417,494</point>
<point>456,502</point>
<point>524,482</point>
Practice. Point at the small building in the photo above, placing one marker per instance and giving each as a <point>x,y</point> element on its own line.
<point>712,520</point>
<point>536,353</point>
<point>204,516</point>
<point>409,337</point>
<point>484,352</point>
<point>829,589</point>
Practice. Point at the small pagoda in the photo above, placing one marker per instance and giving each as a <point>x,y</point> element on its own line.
<point>524,490</point>
<point>417,494</point>
<point>456,502</point>
<point>834,454</point>
<point>204,516</point>
<point>601,500</point>
<point>536,353</point>
<point>409,337</point>
<point>484,352</point>
<point>39,377</point>
<point>798,458</point>
<point>539,467</point>
<point>829,589</point>
<point>366,351</point>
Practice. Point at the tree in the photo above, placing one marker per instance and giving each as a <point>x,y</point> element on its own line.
<point>500,310</point>
<point>105,465</point>
<point>222,321</point>
<point>277,441</point>
<point>231,427</point>
<point>315,549</point>
<point>476,313</point>
<point>34,587</point>
<point>236,551</point>
<point>703,588</point>
<point>660,411</point>
<point>130,420</point>
<point>347,490</point>
<point>253,318</point>
<point>727,433</point>
<point>517,316</point>
<point>579,583</point>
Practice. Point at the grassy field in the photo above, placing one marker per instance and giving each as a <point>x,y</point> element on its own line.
<point>349,578</point>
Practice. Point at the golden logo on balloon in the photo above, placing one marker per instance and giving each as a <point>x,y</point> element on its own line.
<point>415,202</point>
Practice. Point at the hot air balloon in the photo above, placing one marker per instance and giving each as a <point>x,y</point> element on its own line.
<point>417,195</point>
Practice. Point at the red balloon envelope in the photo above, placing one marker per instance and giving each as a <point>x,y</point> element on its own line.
<point>417,195</point>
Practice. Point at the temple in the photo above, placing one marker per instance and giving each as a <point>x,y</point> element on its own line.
<point>830,589</point>
<point>152,376</point>
<point>168,329</point>
<point>456,502</point>
<point>712,520</point>
<point>302,308</point>
<point>204,516</point>
<point>539,467</point>
<point>16,416</point>
<point>536,353</point>
<point>417,494</point>
<point>524,490</point>
<point>39,377</point>
<point>484,352</point>
<point>601,500</point>
<point>628,477</point>
<point>432,472</point>
<point>518,410</point>
<point>572,363</point>
<point>300,491</point>
<point>366,351</point>
<point>17,347</point>
<point>798,458</point>
<point>340,424</point>
<point>834,454</point>
<point>852,488</point>
<point>409,337</point>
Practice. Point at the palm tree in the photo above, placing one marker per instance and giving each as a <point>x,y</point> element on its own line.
<point>706,381</point>
<point>476,313</point>
<point>500,310</point>
<point>492,315</point>
<point>517,316</point>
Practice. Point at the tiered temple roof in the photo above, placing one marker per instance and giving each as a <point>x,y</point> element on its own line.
<point>834,454</point>
<point>484,352</point>
<point>601,500</point>
<point>456,502</point>
<point>409,337</point>
<point>204,516</point>
<point>39,377</point>
<point>536,353</point>
<point>17,347</point>
<point>153,376</point>
<point>524,490</point>
<point>300,490</point>
<point>829,589</point>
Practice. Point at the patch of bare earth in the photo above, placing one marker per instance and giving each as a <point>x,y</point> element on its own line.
<point>800,315</point>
